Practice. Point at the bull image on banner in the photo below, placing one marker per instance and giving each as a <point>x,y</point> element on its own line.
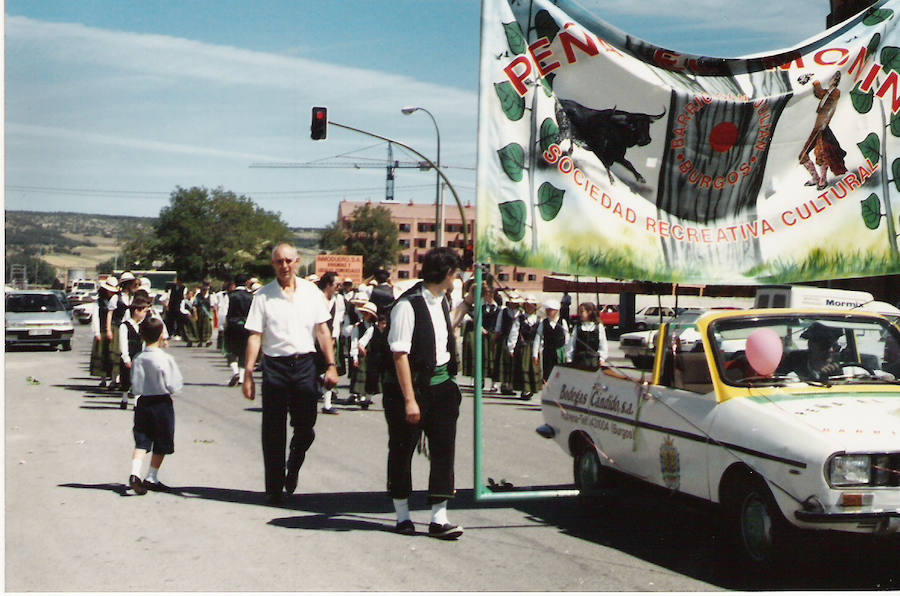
<point>602,154</point>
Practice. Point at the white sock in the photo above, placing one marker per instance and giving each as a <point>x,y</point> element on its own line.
<point>401,506</point>
<point>234,368</point>
<point>152,472</point>
<point>136,467</point>
<point>439,513</point>
<point>241,375</point>
<point>327,397</point>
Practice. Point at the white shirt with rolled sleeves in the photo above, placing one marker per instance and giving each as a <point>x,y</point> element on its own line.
<point>154,372</point>
<point>602,348</point>
<point>287,323</point>
<point>403,320</point>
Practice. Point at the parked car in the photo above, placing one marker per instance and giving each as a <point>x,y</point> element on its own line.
<point>83,290</point>
<point>609,315</point>
<point>650,317</point>
<point>37,317</point>
<point>83,313</point>
<point>640,346</point>
<point>739,422</point>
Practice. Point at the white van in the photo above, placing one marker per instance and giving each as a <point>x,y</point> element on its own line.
<point>809,297</point>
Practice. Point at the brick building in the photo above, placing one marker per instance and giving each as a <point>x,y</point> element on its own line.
<point>415,223</point>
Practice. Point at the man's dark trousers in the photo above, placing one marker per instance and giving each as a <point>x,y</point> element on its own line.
<point>439,408</point>
<point>289,387</point>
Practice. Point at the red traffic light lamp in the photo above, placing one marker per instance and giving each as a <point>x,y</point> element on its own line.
<point>318,128</point>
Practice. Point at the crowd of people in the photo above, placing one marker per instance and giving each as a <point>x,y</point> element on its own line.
<point>304,334</point>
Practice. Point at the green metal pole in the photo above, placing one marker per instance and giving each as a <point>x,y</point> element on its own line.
<point>479,383</point>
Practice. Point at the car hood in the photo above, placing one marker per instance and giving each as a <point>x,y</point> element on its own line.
<point>59,317</point>
<point>859,421</point>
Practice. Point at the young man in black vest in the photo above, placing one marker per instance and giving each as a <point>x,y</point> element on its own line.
<point>420,393</point>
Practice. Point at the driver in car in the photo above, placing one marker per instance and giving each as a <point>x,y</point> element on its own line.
<point>820,359</point>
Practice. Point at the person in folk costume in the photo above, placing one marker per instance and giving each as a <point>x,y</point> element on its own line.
<point>828,152</point>
<point>239,301</point>
<point>144,292</point>
<point>118,306</point>
<point>188,321</point>
<point>527,374</point>
<point>204,313</point>
<point>503,360</point>
<point>587,347</point>
<point>366,380</point>
<point>173,307</point>
<point>101,359</point>
<point>328,286</point>
<point>490,312</point>
<point>550,340</point>
<point>420,393</point>
<point>220,303</point>
<point>351,319</point>
<point>130,341</point>
<point>382,291</point>
<point>347,294</point>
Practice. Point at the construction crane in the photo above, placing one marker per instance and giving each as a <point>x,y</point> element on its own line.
<point>389,166</point>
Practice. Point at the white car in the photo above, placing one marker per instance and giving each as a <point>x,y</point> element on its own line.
<point>37,317</point>
<point>650,317</point>
<point>640,346</point>
<point>750,420</point>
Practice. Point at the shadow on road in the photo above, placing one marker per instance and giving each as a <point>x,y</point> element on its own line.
<point>667,533</point>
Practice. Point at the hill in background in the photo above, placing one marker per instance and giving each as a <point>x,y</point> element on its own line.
<point>67,240</point>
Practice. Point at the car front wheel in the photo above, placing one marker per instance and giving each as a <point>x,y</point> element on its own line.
<point>756,523</point>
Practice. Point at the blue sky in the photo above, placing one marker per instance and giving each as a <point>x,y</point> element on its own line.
<point>111,104</point>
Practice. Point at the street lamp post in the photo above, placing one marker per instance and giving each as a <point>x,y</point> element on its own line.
<point>438,206</point>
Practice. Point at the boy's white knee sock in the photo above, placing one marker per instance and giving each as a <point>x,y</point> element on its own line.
<point>439,513</point>
<point>327,397</point>
<point>401,506</point>
<point>136,467</point>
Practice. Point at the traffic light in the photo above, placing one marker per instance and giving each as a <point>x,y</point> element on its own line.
<point>468,257</point>
<point>318,129</point>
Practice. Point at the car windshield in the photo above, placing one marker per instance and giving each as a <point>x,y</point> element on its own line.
<point>33,303</point>
<point>821,349</point>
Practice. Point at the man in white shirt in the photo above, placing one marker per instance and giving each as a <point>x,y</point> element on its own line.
<point>286,319</point>
<point>422,395</point>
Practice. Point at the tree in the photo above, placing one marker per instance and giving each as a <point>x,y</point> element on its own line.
<point>215,233</point>
<point>37,271</point>
<point>370,232</point>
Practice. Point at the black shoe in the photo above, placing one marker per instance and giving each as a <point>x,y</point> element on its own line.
<point>274,499</point>
<point>123,405</point>
<point>364,404</point>
<point>406,527</point>
<point>234,380</point>
<point>332,411</point>
<point>526,396</point>
<point>352,399</point>
<point>444,531</point>
<point>112,387</point>
<point>102,383</point>
<point>188,344</point>
<point>137,485</point>
<point>209,343</point>
<point>156,486</point>
<point>290,481</point>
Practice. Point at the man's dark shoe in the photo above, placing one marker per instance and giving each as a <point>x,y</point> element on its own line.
<point>526,395</point>
<point>137,485</point>
<point>406,527</point>
<point>290,480</point>
<point>156,486</point>
<point>234,380</point>
<point>332,411</point>
<point>274,499</point>
<point>444,531</point>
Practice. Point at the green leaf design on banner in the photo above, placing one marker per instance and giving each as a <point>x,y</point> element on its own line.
<point>549,133</point>
<point>878,16</point>
<point>512,158</point>
<point>895,124</point>
<point>550,201</point>
<point>514,37</point>
<point>890,58</point>
<point>862,102</point>
<point>871,211</point>
<point>873,45</point>
<point>895,171</point>
<point>512,103</point>
<point>870,147</point>
<point>512,213</point>
<point>547,86</point>
<point>545,25</point>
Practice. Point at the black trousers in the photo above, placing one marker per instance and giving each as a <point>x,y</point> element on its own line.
<point>439,407</point>
<point>289,387</point>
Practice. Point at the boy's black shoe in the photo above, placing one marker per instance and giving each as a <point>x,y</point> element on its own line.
<point>234,380</point>
<point>332,411</point>
<point>444,531</point>
<point>102,383</point>
<point>123,405</point>
<point>526,395</point>
<point>290,480</point>
<point>365,403</point>
<point>137,485</point>
<point>156,486</point>
<point>406,527</point>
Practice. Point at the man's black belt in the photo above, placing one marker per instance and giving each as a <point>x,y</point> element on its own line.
<point>292,356</point>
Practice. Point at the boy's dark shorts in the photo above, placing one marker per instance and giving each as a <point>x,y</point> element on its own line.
<point>154,424</point>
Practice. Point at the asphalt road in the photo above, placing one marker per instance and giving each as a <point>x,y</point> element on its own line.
<point>72,525</point>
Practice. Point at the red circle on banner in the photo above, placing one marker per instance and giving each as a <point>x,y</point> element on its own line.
<point>723,136</point>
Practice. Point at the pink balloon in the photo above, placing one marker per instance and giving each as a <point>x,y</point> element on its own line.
<point>764,351</point>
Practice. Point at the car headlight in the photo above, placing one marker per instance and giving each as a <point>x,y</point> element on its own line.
<point>849,470</point>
